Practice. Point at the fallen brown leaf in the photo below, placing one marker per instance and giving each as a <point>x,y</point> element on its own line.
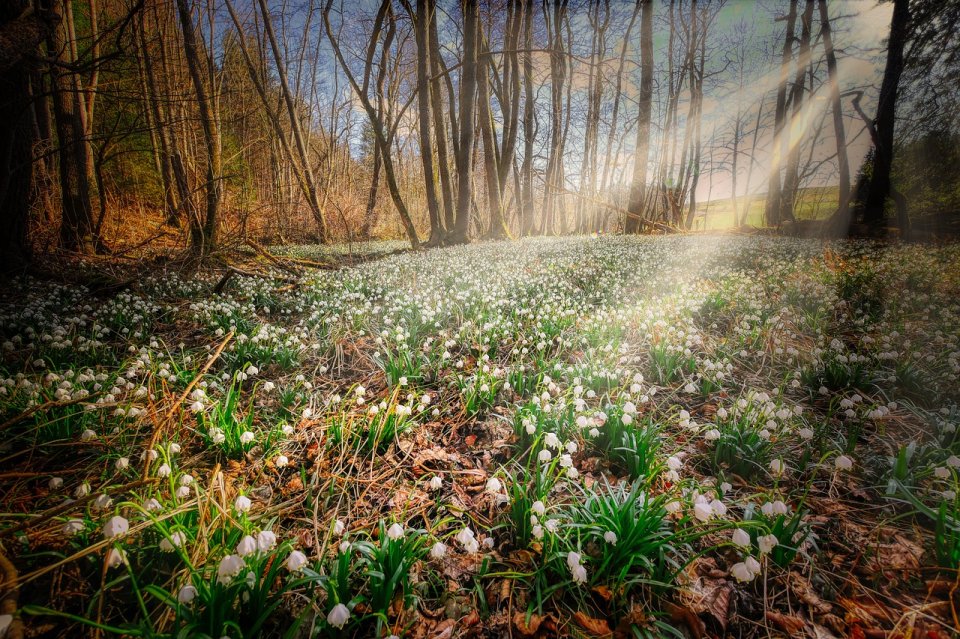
<point>788,623</point>
<point>683,614</point>
<point>526,627</point>
<point>594,627</point>
<point>803,590</point>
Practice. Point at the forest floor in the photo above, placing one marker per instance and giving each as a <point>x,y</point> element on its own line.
<point>616,437</point>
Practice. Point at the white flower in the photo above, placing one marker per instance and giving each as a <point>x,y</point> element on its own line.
<point>436,482</point>
<point>805,433</point>
<point>247,546</point>
<point>538,508</point>
<point>702,511</point>
<point>777,466</point>
<point>610,537</point>
<point>741,538</point>
<point>115,557</point>
<point>295,560</point>
<point>339,527</point>
<point>183,492</point>
<point>712,435</point>
<point>246,437</point>
<point>395,531</point>
<point>843,463</point>
<point>163,471</point>
<point>718,507</point>
<point>152,505</point>
<point>338,616</point>
<point>674,463</point>
<point>573,559</point>
<point>438,550</point>
<point>268,386</point>
<point>741,572</point>
<point>753,565</point>
<point>242,503</point>
<point>266,540</point>
<point>468,540</point>
<point>537,531</point>
<point>552,525</point>
<point>402,381</point>
<point>252,370</point>
<point>550,440</point>
<point>186,480</point>
<point>88,435</point>
<point>953,461</point>
<point>177,539</point>
<point>187,594</point>
<point>73,526</point>
<point>494,485</point>
<point>544,455</point>
<point>116,526</point>
<point>941,472</point>
<point>579,574</point>
<point>55,483</point>
<point>281,461</point>
<point>230,566</point>
<point>122,463</point>
<point>767,543</point>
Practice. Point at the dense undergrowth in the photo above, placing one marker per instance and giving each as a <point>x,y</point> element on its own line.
<point>639,436</point>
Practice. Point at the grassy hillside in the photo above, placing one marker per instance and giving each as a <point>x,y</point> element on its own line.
<point>813,203</point>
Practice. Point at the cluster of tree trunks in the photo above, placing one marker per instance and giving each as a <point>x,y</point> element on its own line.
<point>493,138</point>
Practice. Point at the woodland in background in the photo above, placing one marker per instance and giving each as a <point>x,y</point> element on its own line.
<point>197,123</point>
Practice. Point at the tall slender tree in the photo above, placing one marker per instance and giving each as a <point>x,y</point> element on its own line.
<point>638,187</point>
<point>464,152</point>
<point>203,234</point>
<point>878,191</point>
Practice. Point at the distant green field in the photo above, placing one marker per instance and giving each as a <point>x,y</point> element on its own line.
<point>813,204</point>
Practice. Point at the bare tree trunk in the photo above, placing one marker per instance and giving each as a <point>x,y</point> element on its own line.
<point>772,208</point>
<point>497,228</point>
<point>376,121</point>
<point>76,224</point>
<point>425,8</point>
<point>440,129</point>
<point>204,237</point>
<point>791,182</point>
<point>879,189</point>
<point>753,157</point>
<point>843,163</point>
<point>305,164</point>
<point>370,218</point>
<point>510,102</point>
<point>558,68</point>
<point>526,169</point>
<point>20,36</point>
<point>618,91</point>
<point>638,188</point>
<point>464,154</point>
<point>696,98</point>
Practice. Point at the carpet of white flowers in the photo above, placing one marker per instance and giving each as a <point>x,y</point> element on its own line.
<point>629,437</point>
